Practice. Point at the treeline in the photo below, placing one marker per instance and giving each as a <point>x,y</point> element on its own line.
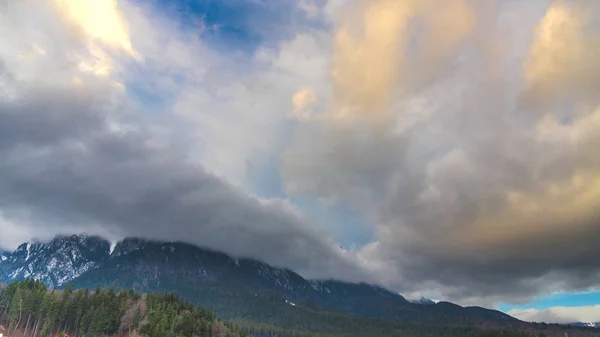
<point>33,310</point>
<point>368,328</point>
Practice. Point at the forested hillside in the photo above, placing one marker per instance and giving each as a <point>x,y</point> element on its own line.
<point>29,308</point>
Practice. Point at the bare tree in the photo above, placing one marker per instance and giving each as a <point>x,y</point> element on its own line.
<point>218,330</point>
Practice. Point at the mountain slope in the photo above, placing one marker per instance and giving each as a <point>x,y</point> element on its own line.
<point>235,288</point>
<point>57,262</point>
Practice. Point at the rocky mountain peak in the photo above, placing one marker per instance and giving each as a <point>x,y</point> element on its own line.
<point>57,262</point>
<point>128,245</point>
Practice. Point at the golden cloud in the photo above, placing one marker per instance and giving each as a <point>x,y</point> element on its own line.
<point>563,56</point>
<point>370,49</point>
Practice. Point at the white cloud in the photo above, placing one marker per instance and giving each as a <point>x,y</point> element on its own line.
<point>303,101</point>
<point>309,7</point>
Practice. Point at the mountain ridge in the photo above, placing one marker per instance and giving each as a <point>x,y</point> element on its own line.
<point>223,282</point>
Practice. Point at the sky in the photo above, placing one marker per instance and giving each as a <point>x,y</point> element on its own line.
<point>440,149</point>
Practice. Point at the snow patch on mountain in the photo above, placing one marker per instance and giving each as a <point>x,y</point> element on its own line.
<point>76,273</point>
<point>57,262</point>
<point>28,248</point>
<point>15,273</point>
<point>424,301</point>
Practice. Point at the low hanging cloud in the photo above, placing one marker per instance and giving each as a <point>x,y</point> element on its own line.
<point>470,146</point>
<point>80,155</point>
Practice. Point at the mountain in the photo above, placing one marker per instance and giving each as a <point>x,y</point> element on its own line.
<point>55,263</point>
<point>234,288</point>
<point>3,255</point>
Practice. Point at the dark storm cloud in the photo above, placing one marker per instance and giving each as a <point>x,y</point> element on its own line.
<point>64,163</point>
<point>477,193</point>
<point>79,155</point>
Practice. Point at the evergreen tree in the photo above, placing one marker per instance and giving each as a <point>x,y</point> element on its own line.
<point>15,311</point>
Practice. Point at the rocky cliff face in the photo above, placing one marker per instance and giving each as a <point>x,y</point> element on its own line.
<point>55,263</point>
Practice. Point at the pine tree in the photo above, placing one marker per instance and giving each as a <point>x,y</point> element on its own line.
<point>52,313</point>
<point>15,311</point>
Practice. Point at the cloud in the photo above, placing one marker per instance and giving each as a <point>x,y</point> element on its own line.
<point>370,58</point>
<point>561,59</point>
<point>83,153</point>
<point>465,132</point>
<point>469,146</point>
<point>303,101</point>
<point>98,19</point>
<point>309,7</point>
<point>559,314</point>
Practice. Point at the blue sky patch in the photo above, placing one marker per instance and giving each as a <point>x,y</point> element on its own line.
<point>237,24</point>
<point>560,299</point>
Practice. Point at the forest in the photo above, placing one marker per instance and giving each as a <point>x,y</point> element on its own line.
<point>28,308</point>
